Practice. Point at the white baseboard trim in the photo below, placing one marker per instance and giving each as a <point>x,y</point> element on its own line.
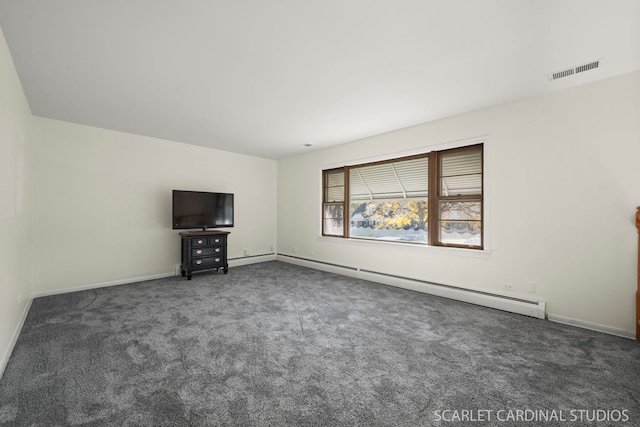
<point>125,281</point>
<point>96,285</point>
<point>317,265</point>
<point>253,259</point>
<point>527,307</point>
<point>14,338</point>
<point>592,326</point>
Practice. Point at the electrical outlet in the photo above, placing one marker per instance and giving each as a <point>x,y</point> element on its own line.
<point>19,298</point>
<point>246,252</point>
<point>507,286</point>
<point>532,287</point>
<point>295,249</point>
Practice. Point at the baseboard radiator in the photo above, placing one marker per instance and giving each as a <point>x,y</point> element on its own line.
<point>251,259</point>
<point>527,307</point>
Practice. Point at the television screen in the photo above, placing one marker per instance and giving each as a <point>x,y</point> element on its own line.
<point>200,209</point>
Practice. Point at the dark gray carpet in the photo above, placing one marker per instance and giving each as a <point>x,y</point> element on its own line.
<point>277,344</point>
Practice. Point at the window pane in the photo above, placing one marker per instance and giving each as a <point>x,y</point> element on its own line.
<point>461,172</point>
<point>334,186</point>
<point>333,222</point>
<point>333,210</point>
<point>399,179</point>
<point>453,210</point>
<point>335,194</point>
<point>396,220</point>
<point>334,226</point>
<point>461,185</point>
<point>460,223</point>
<point>335,178</point>
<point>465,233</point>
<point>462,162</point>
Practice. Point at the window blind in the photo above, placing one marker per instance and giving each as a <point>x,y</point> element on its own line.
<point>461,173</point>
<point>391,180</point>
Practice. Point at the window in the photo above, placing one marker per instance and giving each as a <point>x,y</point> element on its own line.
<point>333,203</point>
<point>433,198</point>
<point>459,197</point>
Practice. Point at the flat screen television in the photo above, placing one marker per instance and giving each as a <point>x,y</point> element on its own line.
<point>201,209</point>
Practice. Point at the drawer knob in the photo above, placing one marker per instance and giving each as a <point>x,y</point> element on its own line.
<point>199,242</point>
<point>217,240</point>
<point>217,259</point>
<point>217,249</point>
<point>199,262</point>
<point>198,251</point>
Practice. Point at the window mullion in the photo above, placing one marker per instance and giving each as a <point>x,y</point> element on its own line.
<point>347,203</point>
<point>432,224</point>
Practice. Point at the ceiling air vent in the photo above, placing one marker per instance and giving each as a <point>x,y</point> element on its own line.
<point>587,67</point>
<point>561,74</point>
<point>575,70</point>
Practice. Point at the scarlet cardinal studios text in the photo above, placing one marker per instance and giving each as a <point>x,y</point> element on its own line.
<point>532,415</point>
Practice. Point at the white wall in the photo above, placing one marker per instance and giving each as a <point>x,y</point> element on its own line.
<point>102,203</point>
<point>563,181</point>
<point>15,147</point>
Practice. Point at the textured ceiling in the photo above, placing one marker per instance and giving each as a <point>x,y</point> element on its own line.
<point>267,77</point>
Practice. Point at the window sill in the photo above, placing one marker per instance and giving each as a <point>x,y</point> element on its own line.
<point>436,250</point>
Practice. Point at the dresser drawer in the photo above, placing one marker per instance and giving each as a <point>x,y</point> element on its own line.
<point>207,262</point>
<point>201,252</point>
<point>217,240</point>
<point>199,242</point>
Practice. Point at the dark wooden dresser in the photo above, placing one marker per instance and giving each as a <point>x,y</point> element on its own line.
<point>203,250</point>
